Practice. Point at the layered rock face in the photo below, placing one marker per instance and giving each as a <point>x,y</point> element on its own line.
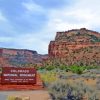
<point>19,57</point>
<point>78,46</point>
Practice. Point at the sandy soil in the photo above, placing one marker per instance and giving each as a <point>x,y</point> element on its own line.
<point>33,95</point>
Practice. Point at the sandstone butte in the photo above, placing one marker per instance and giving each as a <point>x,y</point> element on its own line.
<point>77,46</point>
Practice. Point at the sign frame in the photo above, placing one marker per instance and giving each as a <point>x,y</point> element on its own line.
<point>18,75</point>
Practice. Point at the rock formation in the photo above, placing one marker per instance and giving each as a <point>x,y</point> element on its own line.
<point>19,57</point>
<point>78,46</point>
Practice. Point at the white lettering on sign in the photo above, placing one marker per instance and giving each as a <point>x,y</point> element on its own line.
<point>30,75</point>
<point>19,71</point>
<point>9,74</point>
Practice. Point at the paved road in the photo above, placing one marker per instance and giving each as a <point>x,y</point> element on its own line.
<point>34,95</point>
<point>3,96</point>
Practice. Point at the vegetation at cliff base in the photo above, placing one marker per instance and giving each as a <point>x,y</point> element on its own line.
<point>74,68</point>
<point>72,83</point>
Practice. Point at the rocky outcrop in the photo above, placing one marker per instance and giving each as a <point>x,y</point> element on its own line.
<point>19,57</point>
<point>79,46</point>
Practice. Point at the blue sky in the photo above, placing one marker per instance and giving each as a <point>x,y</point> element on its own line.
<point>31,24</point>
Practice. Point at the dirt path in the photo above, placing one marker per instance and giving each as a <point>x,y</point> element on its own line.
<point>34,95</point>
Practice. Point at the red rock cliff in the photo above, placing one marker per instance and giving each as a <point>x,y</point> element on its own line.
<point>19,57</point>
<point>76,45</point>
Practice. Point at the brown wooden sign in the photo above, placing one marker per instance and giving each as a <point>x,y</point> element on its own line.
<point>13,75</point>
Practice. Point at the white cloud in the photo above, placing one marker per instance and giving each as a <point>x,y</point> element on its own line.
<point>81,14</point>
<point>2,17</point>
<point>75,17</point>
<point>28,41</point>
<point>78,15</point>
<point>5,39</point>
<point>5,26</point>
<point>32,6</point>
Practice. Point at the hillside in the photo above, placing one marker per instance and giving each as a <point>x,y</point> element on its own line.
<point>78,46</point>
<point>19,57</point>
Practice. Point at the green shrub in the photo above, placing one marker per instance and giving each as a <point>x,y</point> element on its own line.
<point>48,77</point>
<point>62,90</point>
<point>77,69</point>
<point>49,68</point>
<point>64,67</point>
<point>74,68</point>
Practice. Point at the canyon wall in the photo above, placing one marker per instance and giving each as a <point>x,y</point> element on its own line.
<point>19,57</point>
